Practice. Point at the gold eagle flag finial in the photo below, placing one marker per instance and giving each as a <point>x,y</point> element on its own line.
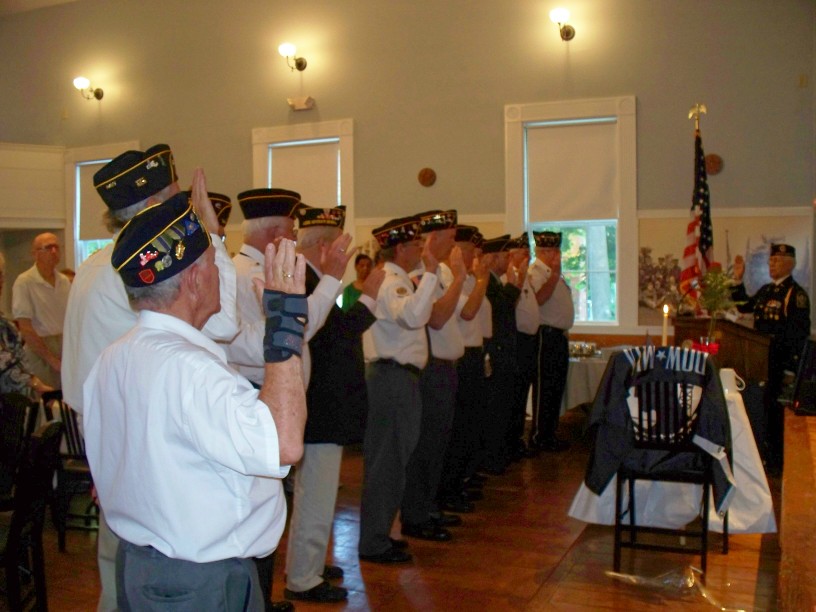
<point>695,111</point>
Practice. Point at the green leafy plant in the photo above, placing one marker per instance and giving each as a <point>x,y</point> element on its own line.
<point>715,296</point>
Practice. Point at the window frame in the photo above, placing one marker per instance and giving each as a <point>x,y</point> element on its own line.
<point>517,118</point>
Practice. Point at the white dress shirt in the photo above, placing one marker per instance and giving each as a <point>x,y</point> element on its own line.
<point>99,313</point>
<point>446,342</point>
<point>526,308</point>
<point>33,297</point>
<point>473,330</point>
<point>558,311</point>
<point>184,455</point>
<point>245,350</point>
<point>402,314</point>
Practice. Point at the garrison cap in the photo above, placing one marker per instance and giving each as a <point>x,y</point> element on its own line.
<point>159,242</point>
<point>266,202</point>
<point>134,176</point>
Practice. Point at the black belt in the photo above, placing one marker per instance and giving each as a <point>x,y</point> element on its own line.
<point>447,362</point>
<point>406,366</point>
<point>549,329</point>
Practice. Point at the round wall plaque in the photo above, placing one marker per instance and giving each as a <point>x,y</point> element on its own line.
<point>714,163</point>
<point>426,177</point>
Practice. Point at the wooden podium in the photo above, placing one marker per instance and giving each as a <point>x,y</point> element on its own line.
<point>741,347</point>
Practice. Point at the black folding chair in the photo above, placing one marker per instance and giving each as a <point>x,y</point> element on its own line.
<point>665,420</point>
<point>74,474</point>
<point>21,547</point>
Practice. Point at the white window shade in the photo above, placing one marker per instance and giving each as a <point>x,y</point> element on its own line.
<point>90,206</point>
<point>572,170</point>
<point>310,168</point>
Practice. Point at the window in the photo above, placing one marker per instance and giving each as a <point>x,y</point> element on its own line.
<point>86,232</point>
<point>589,265</point>
<point>570,167</point>
<point>314,159</point>
<point>91,233</point>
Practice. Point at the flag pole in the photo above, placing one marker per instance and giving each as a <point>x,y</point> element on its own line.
<point>695,111</point>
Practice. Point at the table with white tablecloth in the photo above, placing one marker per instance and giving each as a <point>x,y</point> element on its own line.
<point>672,505</point>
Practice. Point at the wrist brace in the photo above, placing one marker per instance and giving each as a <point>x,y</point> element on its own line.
<point>286,317</point>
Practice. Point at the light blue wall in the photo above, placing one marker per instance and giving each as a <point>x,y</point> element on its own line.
<point>426,82</point>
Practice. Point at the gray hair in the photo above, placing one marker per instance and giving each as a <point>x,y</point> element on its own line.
<point>115,220</point>
<point>311,236</point>
<point>161,295</point>
<point>387,253</point>
<point>262,224</point>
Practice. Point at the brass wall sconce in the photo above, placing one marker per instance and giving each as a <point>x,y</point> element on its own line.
<point>87,90</point>
<point>560,17</point>
<point>289,51</point>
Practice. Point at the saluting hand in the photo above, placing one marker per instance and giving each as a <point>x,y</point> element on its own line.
<point>201,203</point>
<point>334,258</point>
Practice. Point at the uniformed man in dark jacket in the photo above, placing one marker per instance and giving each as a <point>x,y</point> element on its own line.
<point>781,308</point>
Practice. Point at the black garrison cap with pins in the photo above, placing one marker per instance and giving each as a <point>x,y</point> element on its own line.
<point>397,231</point>
<point>310,216</point>
<point>433,220</point>
<point>547,239</point>
<point>268,202</point>
<point>159,242</point>
<point>134,176</point>
<point>222,205</point>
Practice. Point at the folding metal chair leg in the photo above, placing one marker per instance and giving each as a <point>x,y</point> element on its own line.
<point>618,527</point>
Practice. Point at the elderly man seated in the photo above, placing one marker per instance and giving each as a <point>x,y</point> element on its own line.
<point>186,455</point>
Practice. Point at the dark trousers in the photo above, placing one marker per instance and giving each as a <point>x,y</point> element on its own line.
<point>466,418</point>
<point>149,580</point>
<point>438,383</point>
<point>266,567</point>
<point>526,374</point>
<point>548,390</point>
<point>500,389</point>
<point>392,432</point>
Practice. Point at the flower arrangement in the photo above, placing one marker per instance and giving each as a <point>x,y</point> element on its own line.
<point>715,296</point>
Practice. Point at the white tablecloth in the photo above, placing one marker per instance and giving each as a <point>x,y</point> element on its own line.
<point>670,504</point>
<point>583,377</point>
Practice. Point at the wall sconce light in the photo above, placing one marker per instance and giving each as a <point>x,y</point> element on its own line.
<point>289,51</point>
<point>88,92</point>
<point>560,16</point>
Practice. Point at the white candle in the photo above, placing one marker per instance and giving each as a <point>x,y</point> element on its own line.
<point>665,338</point>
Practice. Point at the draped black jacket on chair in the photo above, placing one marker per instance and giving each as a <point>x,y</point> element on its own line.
<point>614,445</point>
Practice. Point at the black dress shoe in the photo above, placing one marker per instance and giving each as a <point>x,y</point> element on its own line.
<point>428,530</point>
<point>473,484</point>
<point>332,572</point>
<point>472,495</point>
<point>322,593</point>
<point>554,446</point>
<point>280,606</point>
<point>494,469</point>
<point>392,555</point>
<point>457,504</point>
<point>477,477</point>
<point>446,520</point>
<point>398,544</point>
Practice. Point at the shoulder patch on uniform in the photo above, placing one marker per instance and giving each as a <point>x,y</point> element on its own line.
<point>801,299</point>
<point>402,291</point>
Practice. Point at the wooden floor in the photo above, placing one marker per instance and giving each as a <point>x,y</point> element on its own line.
<point>519,551</point>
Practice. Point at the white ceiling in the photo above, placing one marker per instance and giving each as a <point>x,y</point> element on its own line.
<point>9,7</point>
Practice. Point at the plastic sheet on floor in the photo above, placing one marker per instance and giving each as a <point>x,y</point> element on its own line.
<point>685,584</point>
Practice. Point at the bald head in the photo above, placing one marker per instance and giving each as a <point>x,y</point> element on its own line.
<point>46,252</point>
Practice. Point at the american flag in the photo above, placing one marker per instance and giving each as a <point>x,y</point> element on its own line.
<point>699,252</point>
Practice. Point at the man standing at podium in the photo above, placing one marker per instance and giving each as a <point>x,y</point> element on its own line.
<point>781,308</point>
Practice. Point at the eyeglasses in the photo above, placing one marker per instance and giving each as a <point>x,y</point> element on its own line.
<point>49,247</point>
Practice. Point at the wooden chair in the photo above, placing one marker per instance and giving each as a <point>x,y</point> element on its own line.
<point>73,474</point>
<point>664,420</point>
<point>21,547</point>
<point>18,416</point>
<point>804,386</point>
